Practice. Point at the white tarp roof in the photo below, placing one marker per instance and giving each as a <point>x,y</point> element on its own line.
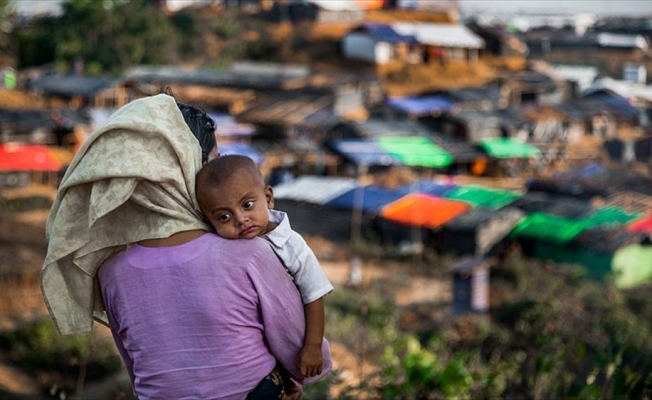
<point>444,35</point>
<point>314,189</point>
<point>584,75</point>
<point>622,40</point>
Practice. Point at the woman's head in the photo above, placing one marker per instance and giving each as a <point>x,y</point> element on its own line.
<point>203,127</point>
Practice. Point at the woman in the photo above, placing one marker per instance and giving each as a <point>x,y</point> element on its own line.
<point>193,316</point>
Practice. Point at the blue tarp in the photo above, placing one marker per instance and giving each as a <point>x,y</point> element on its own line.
<point>364,152</point>
<point>366,198</point>
<point>426,186</point>
<point>242,149</point>
<point>385,33</point>
<point>420,105</point>
<point>610,101</point>
<point>227,126</point>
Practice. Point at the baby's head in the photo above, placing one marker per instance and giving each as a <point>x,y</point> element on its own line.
<point>233,197</point>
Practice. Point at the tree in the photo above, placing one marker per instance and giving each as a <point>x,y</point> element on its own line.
<point>114,34</point>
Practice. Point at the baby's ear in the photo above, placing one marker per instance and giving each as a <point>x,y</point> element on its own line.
<point>269,195</point>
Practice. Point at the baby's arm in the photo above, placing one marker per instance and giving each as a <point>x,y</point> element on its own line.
<point>310,359</point>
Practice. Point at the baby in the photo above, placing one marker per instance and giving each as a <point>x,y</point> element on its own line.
<point>233,196</point>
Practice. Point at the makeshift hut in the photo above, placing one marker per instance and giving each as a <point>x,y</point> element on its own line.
<point>24,164</point>
<point>365,203</point>
<point>471,285</point>
<point>304,200</point>
<point>478,230</point>
<point>562,206</point>
<point>597,249</point>
<point>419,210</point>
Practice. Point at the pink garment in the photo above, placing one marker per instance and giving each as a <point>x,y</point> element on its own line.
<point>205,319</point>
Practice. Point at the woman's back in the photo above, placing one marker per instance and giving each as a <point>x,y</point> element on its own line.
<point>191,315</point>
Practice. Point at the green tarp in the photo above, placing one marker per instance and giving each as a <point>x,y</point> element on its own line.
<point>630,265</point>
<point>552,228</point>
<point>509,148</point>
<point>415,151</point>
<point>610,216</point>
<point>478,196</point>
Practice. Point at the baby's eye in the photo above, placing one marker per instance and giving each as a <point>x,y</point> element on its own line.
<point>248,204</point>
<point>224,217</point>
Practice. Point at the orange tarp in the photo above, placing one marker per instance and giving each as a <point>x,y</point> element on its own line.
<point>643,224</point>
<point>419,209</point>
<point>16,157</point>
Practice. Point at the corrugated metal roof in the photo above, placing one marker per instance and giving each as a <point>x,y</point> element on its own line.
<point>314,189</point>
<point>444,35</point>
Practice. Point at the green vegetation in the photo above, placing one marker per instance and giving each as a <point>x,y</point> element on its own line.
<point>55,361</point>
<point>109,36</point>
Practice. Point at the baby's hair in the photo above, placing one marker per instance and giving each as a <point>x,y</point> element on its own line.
<point>219,170</point>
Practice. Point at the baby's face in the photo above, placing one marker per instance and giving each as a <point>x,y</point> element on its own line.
<point>237,209</point>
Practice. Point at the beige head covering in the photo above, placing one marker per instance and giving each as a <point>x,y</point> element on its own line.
<point>133,179</point>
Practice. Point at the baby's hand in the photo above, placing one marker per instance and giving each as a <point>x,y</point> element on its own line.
<point>310,361</point>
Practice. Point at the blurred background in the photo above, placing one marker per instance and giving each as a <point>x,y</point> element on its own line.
<point>474,176</point>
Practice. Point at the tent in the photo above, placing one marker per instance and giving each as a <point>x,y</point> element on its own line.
<point>423,210</point>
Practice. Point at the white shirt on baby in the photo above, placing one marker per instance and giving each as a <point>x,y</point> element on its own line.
<point>298,258</point>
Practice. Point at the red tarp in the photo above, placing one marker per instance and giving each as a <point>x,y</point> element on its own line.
<point>643,224</point>
<point>17,157</point>
<point>419,209</point>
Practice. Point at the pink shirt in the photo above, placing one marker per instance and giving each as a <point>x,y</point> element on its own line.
<point>205,319</point>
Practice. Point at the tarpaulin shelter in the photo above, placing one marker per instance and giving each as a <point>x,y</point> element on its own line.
<point>226,126</point>
<point>369,199</point>
<point>423,210</point>
<point>416,151</point>
<point>421,105</point>
<point>610,217</point>
<point>426,186</point>
<point>642,224</point>
<point>478,196</point>
<point>304,200</point>
<point>549,227</point>
<point>502,147</point>
<point>563,206</point>
<point>15,157</point>
<point>478,230</point>
<point>243,149</point>
<point>604,252</point>
<point>363,152</point>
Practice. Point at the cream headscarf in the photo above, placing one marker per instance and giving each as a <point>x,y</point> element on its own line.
<point>133,179</point>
